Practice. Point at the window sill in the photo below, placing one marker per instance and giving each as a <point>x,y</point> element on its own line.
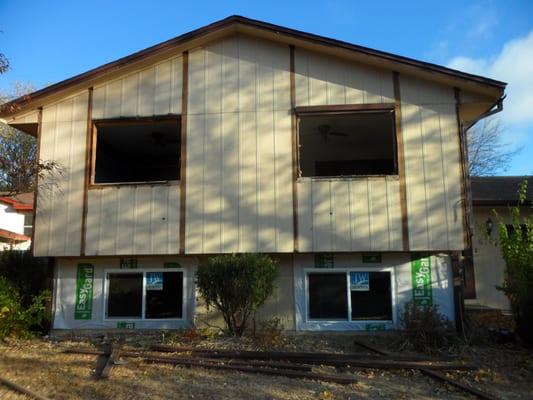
<point>348,178</point>
<point>95,186</point>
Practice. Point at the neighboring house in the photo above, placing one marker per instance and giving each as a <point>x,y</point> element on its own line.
<point>345,163</point>
<point>489,195</point>
<point>16,221</point>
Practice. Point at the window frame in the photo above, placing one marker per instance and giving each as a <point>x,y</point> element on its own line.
<point>25,226</point>
<point>108,271</point>
<point>347,271</point>
<point>95,123</point>
<point>347,109</point>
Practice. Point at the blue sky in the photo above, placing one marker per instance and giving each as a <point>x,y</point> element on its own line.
<point>48,41</point>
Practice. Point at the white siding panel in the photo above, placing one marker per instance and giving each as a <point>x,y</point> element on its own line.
<point>152,91</point>
<point>133,220</point>
<point>58,220</point>
<point>239,185</point>
<point>431,147</point>
<point>126,218</point>
<point>325,80</point>
<point>162,88</point>
<point>195,184</point>
<point>360,215</point>
<point>349,215</point>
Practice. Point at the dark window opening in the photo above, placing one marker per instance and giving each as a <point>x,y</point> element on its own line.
<point>137,151</point>
<point>125,295</point>
<point>358,143</point>
<point>327,296</point>
<point>165,300</point>
<point>373,302</point>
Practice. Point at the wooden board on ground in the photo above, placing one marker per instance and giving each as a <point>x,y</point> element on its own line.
<point>436,375</point>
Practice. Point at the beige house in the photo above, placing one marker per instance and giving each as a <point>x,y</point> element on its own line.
<point>345,163</point>
<point>490,195</point>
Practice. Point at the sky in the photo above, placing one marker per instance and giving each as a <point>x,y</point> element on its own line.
<point>49,41</point>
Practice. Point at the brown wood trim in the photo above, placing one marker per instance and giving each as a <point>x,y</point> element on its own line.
<point>98,186</point>
<point>465,181</point>
<point>135,120</point>
<point>344,108</point>
<point>295,150</point>
<point>36,189</point>
<point>401,159</point>
<point>183,150</point>
<point>88,156</point>
<point>92,147</point>
<point>207,255</point>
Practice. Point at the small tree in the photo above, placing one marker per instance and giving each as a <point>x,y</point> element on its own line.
<point>516,245</point>
<point>237,285</point>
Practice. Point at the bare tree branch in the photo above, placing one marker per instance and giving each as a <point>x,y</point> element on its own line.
<point>488,154</point>
<point>19,166</point>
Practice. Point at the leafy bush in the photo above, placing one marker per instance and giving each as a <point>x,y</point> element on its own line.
<point>516,246</point>
<point>425,329</point>
<point>30,275</point>
<point>237,285</point>
<point>15,319</point>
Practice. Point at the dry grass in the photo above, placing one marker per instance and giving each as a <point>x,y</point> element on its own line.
<point>43,368</point>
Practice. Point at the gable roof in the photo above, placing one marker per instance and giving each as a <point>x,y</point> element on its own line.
<point>18,202</point>
<point>246,25</point>
<point>499,190</point>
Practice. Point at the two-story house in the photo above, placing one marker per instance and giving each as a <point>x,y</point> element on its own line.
<point>345,163</point>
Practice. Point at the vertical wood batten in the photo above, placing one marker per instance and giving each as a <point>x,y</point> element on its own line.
<point>295,149</point>
<point>88,152</point>
<point>36,191</point>
<point>465,187</point>
<point>183,150</point>
<point>401,159</point>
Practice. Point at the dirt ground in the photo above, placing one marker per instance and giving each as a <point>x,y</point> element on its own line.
<point>506,371</point>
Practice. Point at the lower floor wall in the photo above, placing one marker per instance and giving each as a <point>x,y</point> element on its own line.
<point>326,291</point>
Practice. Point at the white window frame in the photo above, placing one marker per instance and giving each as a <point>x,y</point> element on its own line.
<point>347,271</point>
<point>143,312</point>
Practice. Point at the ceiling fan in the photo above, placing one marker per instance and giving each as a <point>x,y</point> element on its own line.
<point>325,131</point>
<point>160,139</point>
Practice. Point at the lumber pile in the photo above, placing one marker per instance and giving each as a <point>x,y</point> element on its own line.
<point>298,365</point>
<point>433,374</point>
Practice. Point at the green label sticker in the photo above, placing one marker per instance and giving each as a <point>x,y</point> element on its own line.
<point>324,260</point>
<point>421,277</point>
<point>372,258</point>
<point>375,327</point>
<point>128,263</point>
<point>125,325</point>
<point>84,292</point>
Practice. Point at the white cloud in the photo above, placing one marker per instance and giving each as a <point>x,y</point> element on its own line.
<point>514,65</point>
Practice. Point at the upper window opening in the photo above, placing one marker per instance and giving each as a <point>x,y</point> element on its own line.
<point>358,143</point>
<point>137,151</point>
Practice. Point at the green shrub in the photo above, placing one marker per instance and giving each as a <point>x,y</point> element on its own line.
<point>516,246</point>
<point>237,285</point>
<point>30,275</point>
<point>17,320</point>
<point>424,328</point>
